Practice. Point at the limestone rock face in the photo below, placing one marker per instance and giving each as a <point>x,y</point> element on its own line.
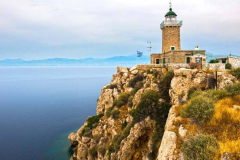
<point>134,70</point>
<point>92,141</point>
<point>137,97</point>
<point>168,146</point>
<point>105,100</point>
<point>130,145</point>
<point>184,79</point>
<point>122,70</point>
<point>224,80</point>
<point>73,138</point>
<point>169,140</point>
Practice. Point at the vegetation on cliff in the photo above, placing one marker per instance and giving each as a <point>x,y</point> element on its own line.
<point>219,116</point>
<point>149,106</point>
<point>133,118</point>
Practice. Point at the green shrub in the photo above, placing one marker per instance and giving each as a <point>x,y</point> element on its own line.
<point>138,85</point>
<point>164,86</point>
<point>214,61</point>
<point>215,95</point>
<point>130,102</point>
<point>136,79</point>
<point>133,92</point>
<point>150,106</point>
<point>108,113</point>
<point>110,151</point>
<point>94,119</point>
<point>190,92</point>
<point>236,72</point>
<point>101,149</point>
<point>200,147</point>
<point>90,123</point>
<point>228,66</point>
<point>147,105</point>
<point>93,151</point>
<point>122,100</point>
<point>195,94</point>
<point>115,113</point>
<point>124,124</point>
<point>201,108</point>
<point>126,130</point>
<point>233,90</point>
<point>112,86</point>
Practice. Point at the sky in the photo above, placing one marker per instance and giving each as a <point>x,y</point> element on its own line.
<point>40,29</point>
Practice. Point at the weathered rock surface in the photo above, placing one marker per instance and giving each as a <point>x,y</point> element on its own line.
<point>184,79</point>
<point>93,143</point>
<point>130,145</point>
<point>168,146</point>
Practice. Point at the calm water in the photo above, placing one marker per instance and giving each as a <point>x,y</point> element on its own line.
<point>40,106</point>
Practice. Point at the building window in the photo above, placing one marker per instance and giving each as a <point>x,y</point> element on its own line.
<point>224,60</point>
<point>172,48</point>
<point>188,60</point>
<point>157,61</point>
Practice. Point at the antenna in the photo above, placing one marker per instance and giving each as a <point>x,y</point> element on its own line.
<point>150,48</point>
<point>170,4</point>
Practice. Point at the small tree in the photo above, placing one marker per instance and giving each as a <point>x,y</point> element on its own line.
<point>228,66</point>
<point>201,108</point>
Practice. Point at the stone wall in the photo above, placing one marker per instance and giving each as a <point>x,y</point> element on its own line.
<point>216,66</point>
<point>171,37</point>
<point>234,61</point>
<point>168,66</point>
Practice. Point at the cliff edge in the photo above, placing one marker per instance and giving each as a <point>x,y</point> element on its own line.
<point>138,114</point>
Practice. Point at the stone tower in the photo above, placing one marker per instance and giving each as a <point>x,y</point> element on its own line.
<point>171,32</point>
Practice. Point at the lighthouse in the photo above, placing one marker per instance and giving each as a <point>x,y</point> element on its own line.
<point>172,53</point>
<point>171,31</point>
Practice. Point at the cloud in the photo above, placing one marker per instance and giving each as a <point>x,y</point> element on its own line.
<point>67,23</point>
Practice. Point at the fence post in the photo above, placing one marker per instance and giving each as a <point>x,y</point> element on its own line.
<point>216,81</point>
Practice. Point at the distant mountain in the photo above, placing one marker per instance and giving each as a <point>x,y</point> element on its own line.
<point>112,61</point>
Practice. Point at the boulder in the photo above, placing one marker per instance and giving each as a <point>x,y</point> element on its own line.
<point>122,70</point>
<point>73,139</point>
<point>134,70</point>
<point>168,145</point>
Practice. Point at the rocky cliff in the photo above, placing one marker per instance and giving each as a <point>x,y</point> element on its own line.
<point>136,114</point>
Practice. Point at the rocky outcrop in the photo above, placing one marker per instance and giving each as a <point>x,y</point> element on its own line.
<point>168,146</point>
<point>135,139</point>
<point>113,135</point>
<point>185,79</point>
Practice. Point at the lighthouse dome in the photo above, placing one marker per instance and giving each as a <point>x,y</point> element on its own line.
<point>171,13</point>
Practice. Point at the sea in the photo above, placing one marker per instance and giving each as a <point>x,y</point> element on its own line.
<point>40,106</point>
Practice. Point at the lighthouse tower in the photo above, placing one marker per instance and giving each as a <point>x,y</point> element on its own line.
<point>171,31</point>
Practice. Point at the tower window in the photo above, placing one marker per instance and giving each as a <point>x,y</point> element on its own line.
<point>157,61</point>
<point>172,48</point>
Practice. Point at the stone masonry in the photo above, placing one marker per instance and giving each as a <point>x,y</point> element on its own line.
<point>171,37</point>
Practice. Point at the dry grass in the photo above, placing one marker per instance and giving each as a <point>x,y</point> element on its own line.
<point>210,71</point>
<point>225,126</point>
